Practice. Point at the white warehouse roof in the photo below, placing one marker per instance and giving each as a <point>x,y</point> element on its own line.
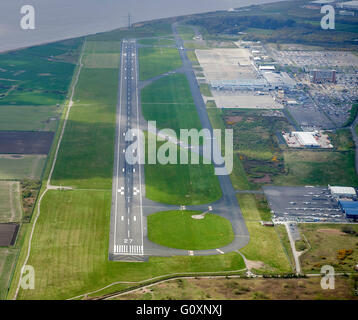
<point>306,138</point>
<point>267,67</point>
<point>342,190</point>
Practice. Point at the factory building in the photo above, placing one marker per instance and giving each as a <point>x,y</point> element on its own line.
<point>267,68</point>
<point>323,76</point>
<point>350,208</point>
<point>343,192</point>
<point>306,139</point>
<point>251,84</point>
<point>279,80</point>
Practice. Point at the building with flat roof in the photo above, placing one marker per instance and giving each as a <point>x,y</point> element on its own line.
<point>267,68</point>
<point>350,208</point>
<point>342,192</point>
<point>242,84</point>
<point>306,139</point>
<point>279,80</point>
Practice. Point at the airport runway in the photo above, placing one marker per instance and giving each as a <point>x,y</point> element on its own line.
<point>130,208</point>
<point>126,236</point>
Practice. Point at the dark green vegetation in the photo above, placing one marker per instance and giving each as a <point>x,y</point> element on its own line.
<point>330,245</point>
<point>352,115</point>
<point>168,101</point>
<point>282,22</point>
<point>156,61</point>
<point>178,229</point>
<point>38,75</point>
<point>256,143</point>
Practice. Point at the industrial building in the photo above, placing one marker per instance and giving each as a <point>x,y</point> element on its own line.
<point>279,80</point>
<point>343,192</point>
<point>249,84</point>
<point>323,76</point>
<point>306,139</point>
<point>267,68</point>
<point>350,208</point>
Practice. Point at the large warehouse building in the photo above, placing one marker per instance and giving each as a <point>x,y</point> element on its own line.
<point>350,208</point>
<point>306,139</point>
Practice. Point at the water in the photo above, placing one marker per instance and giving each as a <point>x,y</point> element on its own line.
<point>62,19</point>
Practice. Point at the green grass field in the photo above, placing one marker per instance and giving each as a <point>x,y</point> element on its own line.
<point>157,42</point>
<point>156,61</point>
<point>186,32</point>
<point>168,101</point>
<point>70,248</point>
<point>318,168</point>
<point>29,118</point>
<point>264,245</point>
<point>7,263</point>
<point>27,166</point>
<point>10,203</point>
<point>177,229</point>
<point>40,75</point>
<point>90,128</point>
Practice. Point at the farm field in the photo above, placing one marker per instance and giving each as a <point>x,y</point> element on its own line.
<point>90,127</point>
<point>76,223</point>
<point>25,142</point>
<point>178,229</point>
<point>330,245</point>
<point>29,118</point>
<point>38,75</point>
<point>21,166</point>
<point>264,247</point>
<point>10,205</point>
<point>245,289</point>
<point>7,263</point>
<point>168,101</point>
<point>156,61</point>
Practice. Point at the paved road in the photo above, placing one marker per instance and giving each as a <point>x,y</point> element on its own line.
<point>126,236</point>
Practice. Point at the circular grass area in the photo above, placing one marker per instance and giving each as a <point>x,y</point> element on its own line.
<point>177,229</point>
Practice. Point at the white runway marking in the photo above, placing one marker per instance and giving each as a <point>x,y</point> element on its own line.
<point>218,250</point>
